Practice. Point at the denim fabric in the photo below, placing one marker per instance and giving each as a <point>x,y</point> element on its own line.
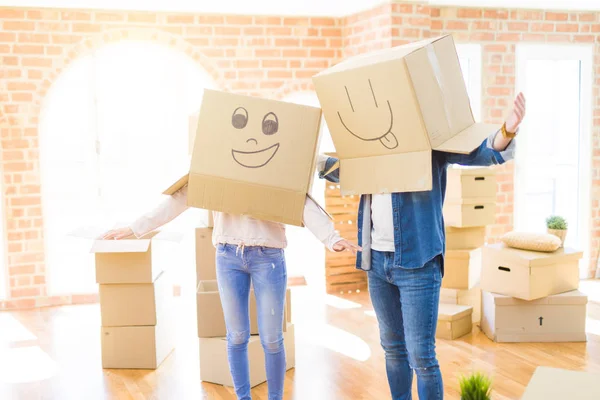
<point>418,220</point>
<point>406,304</point>
<point>265,267</point>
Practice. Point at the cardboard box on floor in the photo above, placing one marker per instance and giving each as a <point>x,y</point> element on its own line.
<point>462,269</point>
<point>560,384</point>
<point>206,268</point>
<point>558,318</point>
<point>470,297</point>
<point>211,320</point>
<point>135,304</point>
<point>131,260</point>
<point>464,238</point>
<point>469,182</point>
<point>469,212</point>
<point>387,110</point>
<point>454,321</point>
<point>140,347</point>
<point>529,275</point>
<point>252,156</point>
<point>213,359</point>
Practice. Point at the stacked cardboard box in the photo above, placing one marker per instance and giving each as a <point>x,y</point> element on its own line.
<point>469,206</point>
<point>136,300</point>
<point>211,322</point>
<point>531,296</point>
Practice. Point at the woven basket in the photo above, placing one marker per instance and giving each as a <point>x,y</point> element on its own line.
<point>559,233</point>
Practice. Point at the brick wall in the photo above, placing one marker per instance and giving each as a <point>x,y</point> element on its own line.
<point>266,56</point>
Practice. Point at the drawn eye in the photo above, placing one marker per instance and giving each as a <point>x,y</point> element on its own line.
<point>270,124</point>
<point>239,119</point>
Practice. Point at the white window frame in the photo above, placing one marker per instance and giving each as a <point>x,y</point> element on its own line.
<point>472,53</point>
<point>584,54</point>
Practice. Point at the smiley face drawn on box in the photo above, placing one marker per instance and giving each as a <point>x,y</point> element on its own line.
<point>260,157</point>
<point>385,136</point>
<point>255,140</point>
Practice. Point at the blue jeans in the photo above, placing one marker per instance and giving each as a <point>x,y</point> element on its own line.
<point>406,305</point>
<point>265,267</point>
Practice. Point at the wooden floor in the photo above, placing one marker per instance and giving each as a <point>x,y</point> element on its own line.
<point>55,354</point>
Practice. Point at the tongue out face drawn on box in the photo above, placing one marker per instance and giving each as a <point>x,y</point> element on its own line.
<point>380,109</point>
<point>253,152</point>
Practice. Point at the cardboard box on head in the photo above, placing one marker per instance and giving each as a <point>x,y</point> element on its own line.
<point>388,110</point>
<point>252,156</point>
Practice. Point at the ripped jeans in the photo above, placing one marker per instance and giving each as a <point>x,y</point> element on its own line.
<point>237,266</point>
<point>406,305</point>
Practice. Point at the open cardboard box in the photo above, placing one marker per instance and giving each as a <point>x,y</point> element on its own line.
<point>252,156</point>
<point>213,358</point>
<point>131,260</point>
<point>388,110</point>
<point>135,304</point>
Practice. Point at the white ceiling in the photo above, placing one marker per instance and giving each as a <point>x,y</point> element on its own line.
<point>285,7</point>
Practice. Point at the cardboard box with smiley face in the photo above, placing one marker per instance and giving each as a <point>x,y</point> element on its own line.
<point>252,156</point>
<point>389,109</point>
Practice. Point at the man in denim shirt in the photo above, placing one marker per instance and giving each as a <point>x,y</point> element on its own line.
<point>404,257</point>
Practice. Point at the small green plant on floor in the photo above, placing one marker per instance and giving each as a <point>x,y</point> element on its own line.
<point>475,387</point>
<point>557,223</point>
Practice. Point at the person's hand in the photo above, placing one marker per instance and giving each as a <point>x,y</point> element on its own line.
<point>517,114</point>
<point>344,245</point>
<point>118,234</point>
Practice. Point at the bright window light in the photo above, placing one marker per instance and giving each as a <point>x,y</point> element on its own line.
<point>113,135</point>
<point>469,56</point>
<point>552,163</point>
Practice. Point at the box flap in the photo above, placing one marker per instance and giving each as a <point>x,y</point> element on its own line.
<point>440,89</point>
<point>468,139</point>
<point>207,286</point>
<point>471,201</point>
<point>568,298</point>
<point>532,258</point>
<point>121,246</point>
<point>560,384</point>
<point>470,171</point>
<point>181,182</point>
<point>453,312</point>
<point>460,254</point>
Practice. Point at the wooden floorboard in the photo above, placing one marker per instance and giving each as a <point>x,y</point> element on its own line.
<point>54,354</point>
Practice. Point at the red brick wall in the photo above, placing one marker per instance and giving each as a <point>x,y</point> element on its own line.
<point>266,56</point>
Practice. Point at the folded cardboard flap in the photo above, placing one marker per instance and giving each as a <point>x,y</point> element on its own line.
<point>560,384</point>
<point>567,298</point>
<point>404,172</point>
<point>518,257</point>
<point>261,202</point>
<point>453,312</point>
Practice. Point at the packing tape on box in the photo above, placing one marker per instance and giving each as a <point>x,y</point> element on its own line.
<point>437,72</point>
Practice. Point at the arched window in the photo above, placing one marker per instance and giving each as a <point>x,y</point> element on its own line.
<point>113,133</point>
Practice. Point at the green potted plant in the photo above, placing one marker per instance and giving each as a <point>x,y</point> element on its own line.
<point>475,387</point>
<point>557,226</point>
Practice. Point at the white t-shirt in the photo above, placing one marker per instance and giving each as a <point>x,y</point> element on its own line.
<point>382,233</point>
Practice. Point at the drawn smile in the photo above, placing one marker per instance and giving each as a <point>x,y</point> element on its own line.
<point>255,159</point>
<point>388,138</point>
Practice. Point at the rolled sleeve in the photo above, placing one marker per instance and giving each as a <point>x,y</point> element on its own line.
<point>509,152</point>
